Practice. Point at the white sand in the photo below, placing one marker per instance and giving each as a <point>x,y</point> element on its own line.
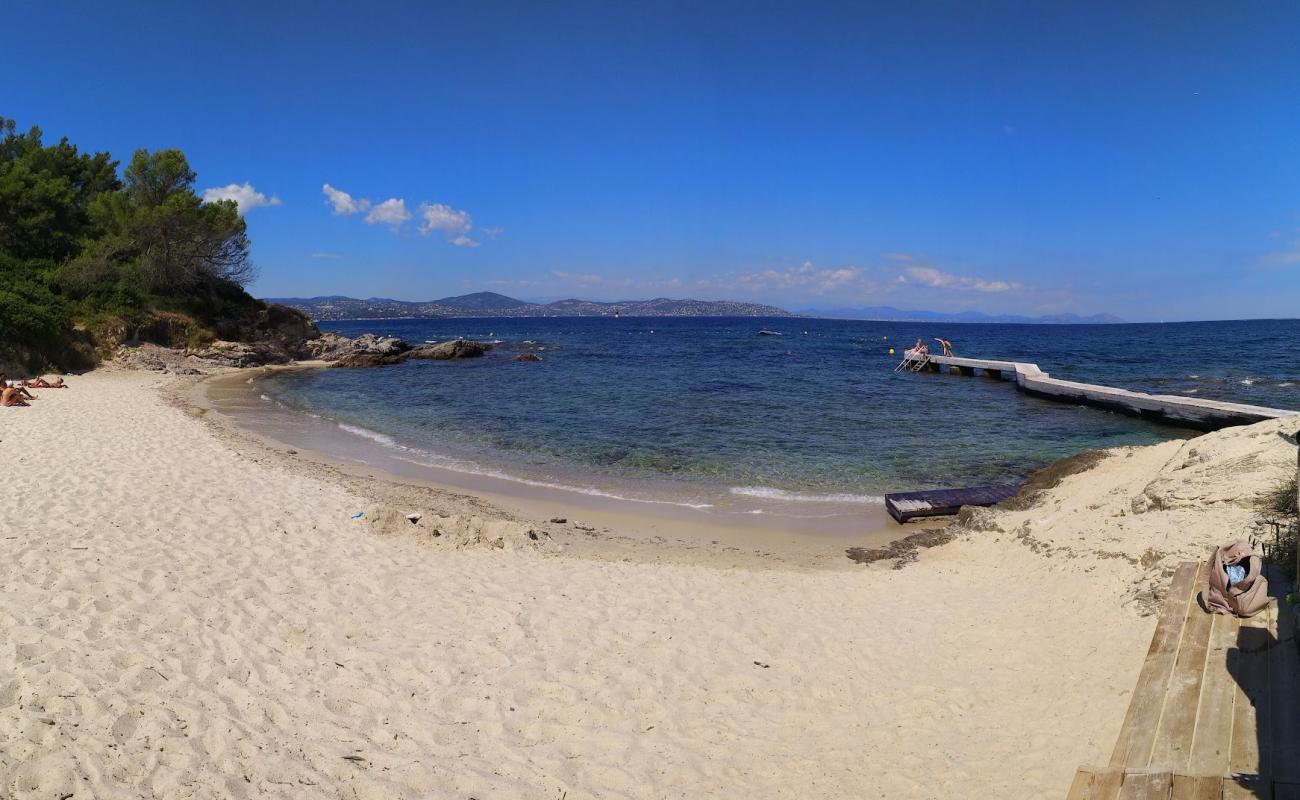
<point>180,620</point>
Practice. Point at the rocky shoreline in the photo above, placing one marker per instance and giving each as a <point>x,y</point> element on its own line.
<point>288,344</point>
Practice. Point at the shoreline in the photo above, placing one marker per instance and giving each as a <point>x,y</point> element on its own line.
<point>623,528</point>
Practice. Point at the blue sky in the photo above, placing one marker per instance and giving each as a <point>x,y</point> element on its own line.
<point>1139,159</point>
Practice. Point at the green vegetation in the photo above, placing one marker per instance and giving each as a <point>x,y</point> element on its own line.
<point>89,258</point>
<point>1279,514</point>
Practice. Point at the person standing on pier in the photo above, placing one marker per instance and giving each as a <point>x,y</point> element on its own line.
<point>947,345</point>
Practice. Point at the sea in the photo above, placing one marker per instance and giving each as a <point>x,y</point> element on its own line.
<point>814,421</point>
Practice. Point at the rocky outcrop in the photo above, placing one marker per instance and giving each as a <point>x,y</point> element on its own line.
<point>369,350</point>
<point>528,357</point>
<point>329,346</point>
<point>277,334</point>
<point>458,348</point>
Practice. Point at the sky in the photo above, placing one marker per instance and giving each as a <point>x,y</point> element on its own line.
<point>1139,159</point>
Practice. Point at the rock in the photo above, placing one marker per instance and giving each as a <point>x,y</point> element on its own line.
<point>459,348</point>
<point>528,357</point>
<point>367,350</point>
<point>330,346</point>
<point>559,520</point>
<point>414,518</point>
<point>368,359</point>
<point>278,333</point>
<point>235,354</point>
<point>382,345</point>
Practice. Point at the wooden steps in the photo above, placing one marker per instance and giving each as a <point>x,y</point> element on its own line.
<point>1215,713</point>
<point>903,506</point>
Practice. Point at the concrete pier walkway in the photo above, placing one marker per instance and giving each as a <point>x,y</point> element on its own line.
<point>1188,412</point>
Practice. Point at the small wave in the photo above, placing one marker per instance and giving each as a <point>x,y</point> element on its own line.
<point>1248,381</point>
<point>373,436</point>
<point>1285,384</point>
<point>768,493</point>
<point>425,458</point>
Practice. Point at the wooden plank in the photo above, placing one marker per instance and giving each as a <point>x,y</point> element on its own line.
<point>1173,744</point>
<point>1096,785</point>
<point>1081,788</point>
<point>1248,662</point>
<point>1212,745</point>
<point>1146,786</point>
<point>903,506</point>
<point>1284,704</point>
<point>1106,786</point>
<point>1137,735</point>
<point>1203,787</point>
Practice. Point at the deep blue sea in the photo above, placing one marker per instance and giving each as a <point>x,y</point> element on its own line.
<point>698,409</point>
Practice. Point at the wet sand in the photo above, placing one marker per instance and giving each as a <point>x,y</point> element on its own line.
<point>794,533</point>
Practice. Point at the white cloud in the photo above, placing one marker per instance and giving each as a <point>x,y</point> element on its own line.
<point>452,223</point>
<point>343,202</point>
<point>938,279</point>
<point>804,277</point>
<point>390,212</point>
<point>455,225</point>
<point>245,196</point>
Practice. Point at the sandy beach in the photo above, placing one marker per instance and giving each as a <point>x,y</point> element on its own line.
<point>188,612</point>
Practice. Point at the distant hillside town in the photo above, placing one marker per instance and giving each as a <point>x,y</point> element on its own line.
<point>491,304</point>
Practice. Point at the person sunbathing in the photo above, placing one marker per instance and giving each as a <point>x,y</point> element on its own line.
<point>41,383</point>
<point>15,396</point>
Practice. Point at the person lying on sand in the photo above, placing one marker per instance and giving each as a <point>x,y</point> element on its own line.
<point>41,383</point>
<point>15,396</point>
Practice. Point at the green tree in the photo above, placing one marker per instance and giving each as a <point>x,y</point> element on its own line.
<point>46,194</point>
<point>173,241</point>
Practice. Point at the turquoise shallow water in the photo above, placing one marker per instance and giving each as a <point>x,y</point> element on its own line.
<point>701,408</point>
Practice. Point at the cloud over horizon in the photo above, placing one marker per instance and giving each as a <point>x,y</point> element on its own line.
<point>454,224</point>
<point>245,196</point>
<point>938,279</point>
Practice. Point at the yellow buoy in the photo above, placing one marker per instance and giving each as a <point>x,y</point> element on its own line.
<point>891,351</point>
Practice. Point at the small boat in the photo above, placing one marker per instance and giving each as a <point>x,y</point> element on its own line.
<point>766,332</point>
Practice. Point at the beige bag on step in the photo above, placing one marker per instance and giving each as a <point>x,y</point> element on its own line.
<point>1246,598</point>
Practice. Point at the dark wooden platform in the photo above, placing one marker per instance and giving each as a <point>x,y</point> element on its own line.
<point>1216,711</point>
<point>903,506</point>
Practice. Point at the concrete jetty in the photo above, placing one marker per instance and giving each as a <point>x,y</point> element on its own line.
<point>1188,412</point>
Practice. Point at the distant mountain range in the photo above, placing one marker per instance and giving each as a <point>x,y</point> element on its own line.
<point>891,314</point>
<point>491,304</point>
